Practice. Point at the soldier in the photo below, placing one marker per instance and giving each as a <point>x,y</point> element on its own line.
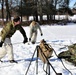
<point>33,31</point>
<point>6,33</point>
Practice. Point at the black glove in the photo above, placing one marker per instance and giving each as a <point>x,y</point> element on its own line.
<point>1,43</point>
<point>29,39</point>
<point>25,40</point>
<point>41,34</point>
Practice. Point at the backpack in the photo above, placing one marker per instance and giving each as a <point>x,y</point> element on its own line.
<point>46,49</point>
<point>71,52</point>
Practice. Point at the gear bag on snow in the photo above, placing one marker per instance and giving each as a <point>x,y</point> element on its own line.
<point>71,53</point>
<point>46,49</point>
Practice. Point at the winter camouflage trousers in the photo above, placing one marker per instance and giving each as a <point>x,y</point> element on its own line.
<point>34,36</point>
<point>7,48</point>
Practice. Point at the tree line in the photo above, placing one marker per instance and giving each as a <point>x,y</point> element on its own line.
<point>35,8</point>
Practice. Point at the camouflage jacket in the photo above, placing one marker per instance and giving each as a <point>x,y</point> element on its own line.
<point>9,29</point>
<point>71,53</point>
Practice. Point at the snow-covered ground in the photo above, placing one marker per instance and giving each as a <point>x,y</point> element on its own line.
<point>58,36</point>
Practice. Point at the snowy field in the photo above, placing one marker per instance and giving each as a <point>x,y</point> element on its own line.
<point>57,36</point>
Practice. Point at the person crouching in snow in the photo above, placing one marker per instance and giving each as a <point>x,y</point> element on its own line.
<point>6,33</point>
<point>33,31</point>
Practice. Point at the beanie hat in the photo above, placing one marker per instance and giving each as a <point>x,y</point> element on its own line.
<point>16,18</point>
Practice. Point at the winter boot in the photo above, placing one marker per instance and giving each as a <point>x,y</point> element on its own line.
<point>33,42</point>
<point>1,61</point>
<point>13,61</point>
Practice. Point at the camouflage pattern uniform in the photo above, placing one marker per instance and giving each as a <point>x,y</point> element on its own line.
<point>5,35</point>
<point>71,53</point>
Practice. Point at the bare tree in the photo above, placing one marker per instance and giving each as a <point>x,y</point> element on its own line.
<point>2,4</point>
<point>21,11</point>
<point>74,6</point>
<point>8,15</point>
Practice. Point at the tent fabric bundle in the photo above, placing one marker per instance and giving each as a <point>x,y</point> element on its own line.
<point>71,53</point>
<point>45,52</point>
